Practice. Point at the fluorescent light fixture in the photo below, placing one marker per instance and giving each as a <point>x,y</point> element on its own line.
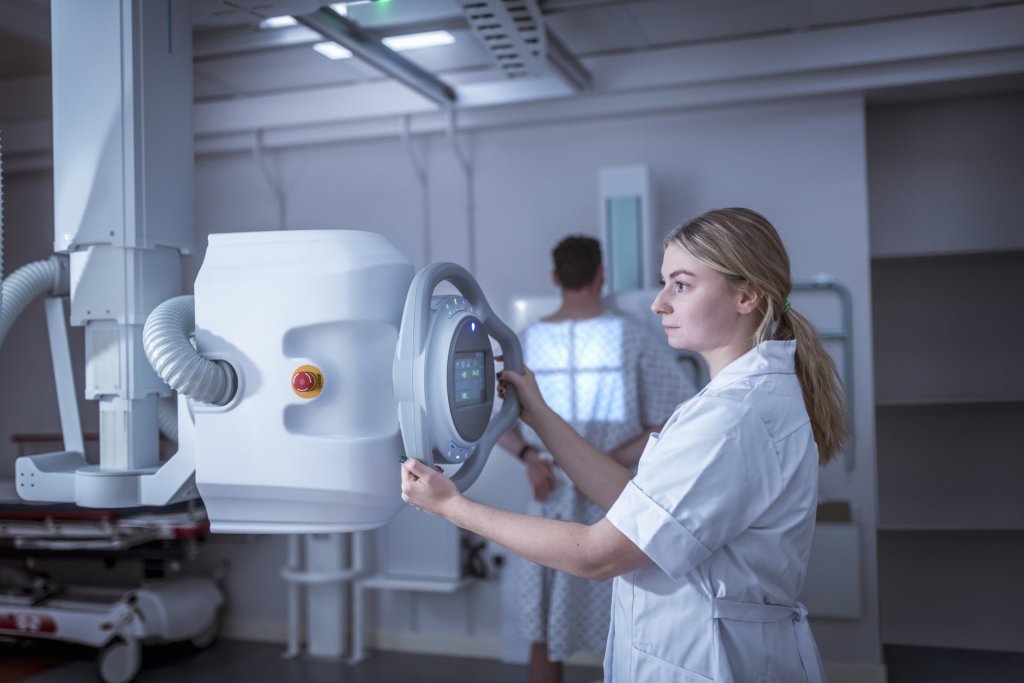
<point>278,22</point>
<point>415,41</point>
<point>332,50</point>
<point>342,7</point>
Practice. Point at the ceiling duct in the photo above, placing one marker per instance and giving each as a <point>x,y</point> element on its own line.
<point>513,32</point>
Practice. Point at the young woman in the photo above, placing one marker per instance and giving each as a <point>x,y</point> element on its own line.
<point>708,543</point>
<point>614,383</point>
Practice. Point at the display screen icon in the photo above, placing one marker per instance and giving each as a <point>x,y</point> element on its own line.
<point>468,373</point>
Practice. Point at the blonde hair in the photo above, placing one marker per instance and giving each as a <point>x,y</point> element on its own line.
<point>744,247</point>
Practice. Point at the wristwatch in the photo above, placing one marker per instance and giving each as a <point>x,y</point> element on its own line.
<point>522,451</point>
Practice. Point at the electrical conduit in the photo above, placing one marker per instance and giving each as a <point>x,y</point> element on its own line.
<point>165,338</point>
<point>17,290</point>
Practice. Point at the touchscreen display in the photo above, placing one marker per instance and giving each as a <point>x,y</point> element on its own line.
<point>468,370</point>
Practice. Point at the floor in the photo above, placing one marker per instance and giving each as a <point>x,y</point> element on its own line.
<point>226,660</point>
<point>229,660</point>
<point>935,665</point>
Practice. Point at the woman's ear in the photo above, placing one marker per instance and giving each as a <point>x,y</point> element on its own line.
<point>748,301</point>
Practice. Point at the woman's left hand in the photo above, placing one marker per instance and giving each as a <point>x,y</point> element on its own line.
<point>425,488</point>
<point>531,403</point>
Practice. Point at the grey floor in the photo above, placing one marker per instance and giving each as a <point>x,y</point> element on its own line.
<point>228,661</point>
<point>935,665</point>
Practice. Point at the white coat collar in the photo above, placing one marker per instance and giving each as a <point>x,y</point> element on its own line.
<point>768,357</point>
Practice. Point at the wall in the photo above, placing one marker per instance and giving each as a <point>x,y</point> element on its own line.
<point>800,162</point>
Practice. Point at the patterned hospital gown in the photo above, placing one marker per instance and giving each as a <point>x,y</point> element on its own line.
<point>607,377</point>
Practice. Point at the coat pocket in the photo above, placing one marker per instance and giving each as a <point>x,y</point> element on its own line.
<point>646,668</point>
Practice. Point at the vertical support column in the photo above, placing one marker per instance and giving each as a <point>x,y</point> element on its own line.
<point>327,600</point>
<point>123,195</point>
<point>292,569</point>
<point>60,353</point>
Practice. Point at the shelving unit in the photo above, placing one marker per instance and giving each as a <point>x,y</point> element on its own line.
<point>961,461</point>
<point>949,386</point>
<point>956,589</point>
<point>943,327</point>
<point>949,376</point>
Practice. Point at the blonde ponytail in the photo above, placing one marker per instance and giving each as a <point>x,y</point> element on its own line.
<point>743,246</point>
<point>820,384</point>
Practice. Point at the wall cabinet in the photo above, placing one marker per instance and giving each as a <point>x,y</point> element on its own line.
<point>949,388</point>
<point>947,273</point>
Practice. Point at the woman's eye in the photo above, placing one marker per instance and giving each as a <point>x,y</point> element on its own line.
<point>681,287</point>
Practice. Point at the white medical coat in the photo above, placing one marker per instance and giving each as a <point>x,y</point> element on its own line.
<point>723,503</point>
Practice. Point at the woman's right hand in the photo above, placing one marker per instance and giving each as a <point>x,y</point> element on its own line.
<point>531,403</point>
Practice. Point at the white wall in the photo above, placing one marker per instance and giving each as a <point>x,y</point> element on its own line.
<point>800,162</point>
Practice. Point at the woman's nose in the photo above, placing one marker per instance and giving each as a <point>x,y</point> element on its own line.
<point>657,306</point>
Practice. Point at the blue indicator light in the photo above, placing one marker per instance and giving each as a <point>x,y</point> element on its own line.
<point>472,327</point>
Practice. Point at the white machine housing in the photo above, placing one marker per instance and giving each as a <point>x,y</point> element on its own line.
<point>270,303</point>
<point>342,365</point>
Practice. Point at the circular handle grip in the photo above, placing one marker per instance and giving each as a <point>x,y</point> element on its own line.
<point>411,343</point>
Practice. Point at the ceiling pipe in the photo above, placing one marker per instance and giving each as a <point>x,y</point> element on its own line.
<point>371,50</point>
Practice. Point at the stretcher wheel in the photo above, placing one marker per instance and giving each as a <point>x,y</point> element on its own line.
<point>119,661</point>
<point>205,638</point>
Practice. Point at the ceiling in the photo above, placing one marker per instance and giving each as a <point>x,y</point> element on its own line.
<point>671,52</point>
<point>234,58</point>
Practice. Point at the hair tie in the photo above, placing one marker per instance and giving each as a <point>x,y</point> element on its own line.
<point>786,306</point>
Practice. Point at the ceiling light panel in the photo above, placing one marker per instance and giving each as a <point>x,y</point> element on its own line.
<point>332,50</point>
<point>278,22</point>
<point>416,41</point>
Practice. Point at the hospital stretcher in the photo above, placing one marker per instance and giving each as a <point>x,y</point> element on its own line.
<point>116,621</point>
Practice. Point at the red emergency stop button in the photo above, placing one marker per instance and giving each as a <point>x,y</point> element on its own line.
<point>307,381</point>
<point>303,381</point>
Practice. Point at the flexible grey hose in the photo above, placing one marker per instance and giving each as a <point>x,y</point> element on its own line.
<point>165,338</point>
<point>167,417</point>
<point>28,282</point>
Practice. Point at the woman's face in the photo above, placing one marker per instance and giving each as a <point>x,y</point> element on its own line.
<point>700,311</point>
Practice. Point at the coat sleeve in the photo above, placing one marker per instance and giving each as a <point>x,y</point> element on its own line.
<point>708,478</point>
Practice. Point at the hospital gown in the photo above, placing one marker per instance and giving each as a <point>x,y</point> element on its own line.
<point>606,376</point>
<point>723,503</point>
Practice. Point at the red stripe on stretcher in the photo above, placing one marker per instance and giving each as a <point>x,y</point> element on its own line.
<point>200,530</point>
<point>26,622</point>
<point>74,515</point>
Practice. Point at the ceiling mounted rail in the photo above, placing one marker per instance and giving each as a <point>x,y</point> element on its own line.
<point>368,47</point>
